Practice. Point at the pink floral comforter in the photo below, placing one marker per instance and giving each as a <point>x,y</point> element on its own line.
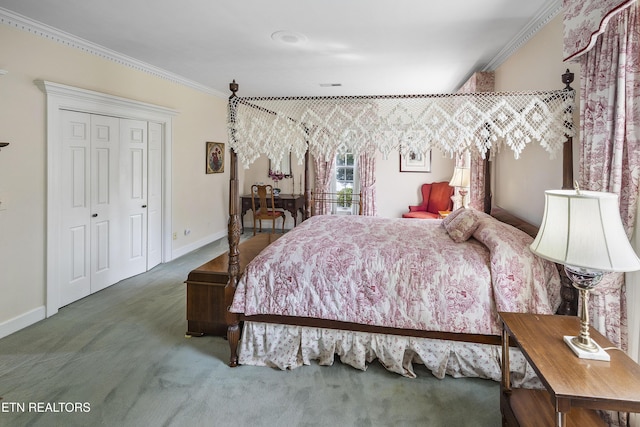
<point>400,273</point>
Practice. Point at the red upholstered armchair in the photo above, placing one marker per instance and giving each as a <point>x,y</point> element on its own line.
<point>435,197</point>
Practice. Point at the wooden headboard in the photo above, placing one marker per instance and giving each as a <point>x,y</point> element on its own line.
<point>508,218</point>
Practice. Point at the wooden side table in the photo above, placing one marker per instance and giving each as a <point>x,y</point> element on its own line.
<point>205,288</point>
<point>574,387</point>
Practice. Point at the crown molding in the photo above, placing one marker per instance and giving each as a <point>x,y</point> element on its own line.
<point>546,13</point>
<point>39,29</point>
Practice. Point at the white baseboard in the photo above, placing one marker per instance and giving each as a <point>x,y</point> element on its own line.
<point>10,326</point>
<point>177,253</point>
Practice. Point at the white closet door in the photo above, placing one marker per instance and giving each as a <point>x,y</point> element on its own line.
<point>75,274</point>
<point>154,199</point>
<point>90,209</point>
<point>133,195</point>
<point>105,217</point>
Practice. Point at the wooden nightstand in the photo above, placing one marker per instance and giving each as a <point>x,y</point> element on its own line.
<point>574,387</point>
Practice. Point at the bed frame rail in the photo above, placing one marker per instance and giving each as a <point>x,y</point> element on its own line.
<point>339,200</point>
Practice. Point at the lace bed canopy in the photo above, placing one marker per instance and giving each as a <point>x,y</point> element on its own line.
<point>477,122</point>
<point>323,126</point>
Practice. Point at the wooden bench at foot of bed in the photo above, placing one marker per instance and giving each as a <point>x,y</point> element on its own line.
<point>206,308</point>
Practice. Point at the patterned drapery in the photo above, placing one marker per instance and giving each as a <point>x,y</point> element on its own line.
<point>324,171</point>
<point>367,174</point>
<point>482,81</point>
<point>585,20</point>
<point>610,149</point>
<point>477,188</point>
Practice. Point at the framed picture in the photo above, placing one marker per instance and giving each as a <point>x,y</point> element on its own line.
<point>215,157</point>
<point>415,162</point>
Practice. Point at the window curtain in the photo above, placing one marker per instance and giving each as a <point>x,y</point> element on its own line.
<point>367,174</point>
<point>324,170</point>
<point>482,81</point>
<point>610,149</point>
<point>477,184</point>
<point>610,146</point>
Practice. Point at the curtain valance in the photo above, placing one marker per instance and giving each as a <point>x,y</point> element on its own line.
<point>414,123</point>
<point>584,20</point>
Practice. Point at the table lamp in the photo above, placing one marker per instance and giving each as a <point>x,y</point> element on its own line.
<point>460,179</point>
<point>582,230</point>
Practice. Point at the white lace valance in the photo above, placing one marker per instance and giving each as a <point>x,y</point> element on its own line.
<point>450,123</point>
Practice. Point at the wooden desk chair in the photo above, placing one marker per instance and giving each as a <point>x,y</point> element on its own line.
<point>263,196</point>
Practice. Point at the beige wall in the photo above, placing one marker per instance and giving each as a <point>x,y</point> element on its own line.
<point>519,185</point>
<point>395,190</point>
<point>199,200</point>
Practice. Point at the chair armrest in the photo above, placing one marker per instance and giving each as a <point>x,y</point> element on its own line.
<point>417,208</point>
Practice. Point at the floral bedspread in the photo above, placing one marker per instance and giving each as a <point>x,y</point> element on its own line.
<point>400,273</point>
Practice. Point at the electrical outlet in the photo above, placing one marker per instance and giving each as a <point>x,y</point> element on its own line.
<point>175,235</point>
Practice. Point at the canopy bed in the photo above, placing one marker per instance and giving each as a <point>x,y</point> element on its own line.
<point>306,323</point>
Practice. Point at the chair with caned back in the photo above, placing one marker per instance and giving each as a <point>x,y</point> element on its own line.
<point>262,203</point>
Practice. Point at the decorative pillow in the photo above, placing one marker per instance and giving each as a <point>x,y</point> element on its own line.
<point>462,226</point>
<point>447,219</point>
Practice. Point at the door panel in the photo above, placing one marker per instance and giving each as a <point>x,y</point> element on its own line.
<point>102,244</point>
<point>105,207</point>
<point>136,236</point>
<point>133,194</point>
<point>154,196</point>
<point>78,252</point>
<point>105,220</point>
<point>75,277</point>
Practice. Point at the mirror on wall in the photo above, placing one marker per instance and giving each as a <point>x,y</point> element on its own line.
<point>285,168</point>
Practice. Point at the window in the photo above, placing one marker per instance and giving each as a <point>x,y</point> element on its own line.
<point>345,184</point>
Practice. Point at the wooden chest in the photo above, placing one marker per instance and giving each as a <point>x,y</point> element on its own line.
<point>205,288</point>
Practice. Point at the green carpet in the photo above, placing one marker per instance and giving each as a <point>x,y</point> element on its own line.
<point>120,358</point>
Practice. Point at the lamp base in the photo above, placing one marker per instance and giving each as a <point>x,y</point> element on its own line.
<point>599,354</point>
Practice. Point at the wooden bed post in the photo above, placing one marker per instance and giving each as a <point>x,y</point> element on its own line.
<point>568,292</point>
<point>234,229</point>
<point>307,189</point>
<point>487,183</point>
<point>567,149</point>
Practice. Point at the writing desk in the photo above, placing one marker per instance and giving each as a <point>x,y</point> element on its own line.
<point>293,203</point>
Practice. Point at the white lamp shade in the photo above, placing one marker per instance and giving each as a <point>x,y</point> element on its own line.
<point>460,178</point>
<point>584,229</point>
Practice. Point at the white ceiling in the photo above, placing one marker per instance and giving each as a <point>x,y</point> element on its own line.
<point>370,47</point>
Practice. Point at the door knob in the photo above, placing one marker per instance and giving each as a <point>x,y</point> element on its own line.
<point>95,215</point>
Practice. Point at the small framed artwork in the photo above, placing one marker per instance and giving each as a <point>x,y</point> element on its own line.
<point>415,162</point>
<point>215,157</point>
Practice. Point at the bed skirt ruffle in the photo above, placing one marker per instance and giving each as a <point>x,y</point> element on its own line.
<point>289,347</point>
